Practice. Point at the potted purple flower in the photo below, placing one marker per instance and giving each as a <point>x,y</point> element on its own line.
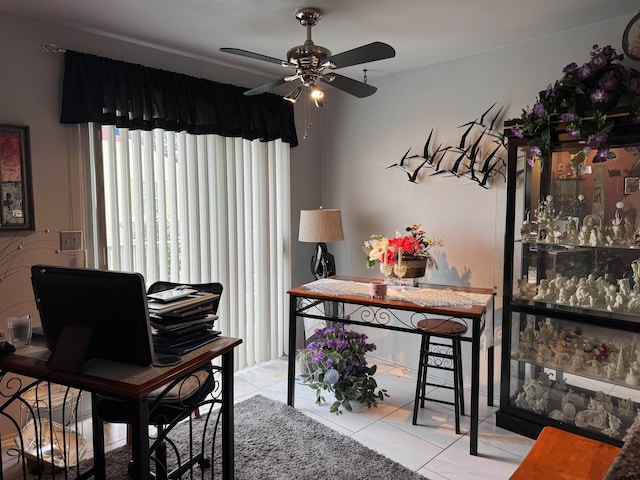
<point>582,104</point>
<point>336,364</point>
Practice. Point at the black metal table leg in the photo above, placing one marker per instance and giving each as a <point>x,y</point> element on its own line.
<point>490,366</point>
<point>228,461</point>
<point>291,381</point>
<point>140,440</point>
<point>475,387</point>
<point>98,441</point>
<point>490,353</point>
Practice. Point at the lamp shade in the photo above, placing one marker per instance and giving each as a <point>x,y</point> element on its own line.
<point>320,226</point>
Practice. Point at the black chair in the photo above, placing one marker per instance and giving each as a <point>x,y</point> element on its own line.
<point>441,356</point>
<point>171,404</point>
<point>168,406</point>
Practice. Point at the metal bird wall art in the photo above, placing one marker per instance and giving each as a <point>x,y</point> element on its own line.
<point>427,158</point>
<point>480,154</point>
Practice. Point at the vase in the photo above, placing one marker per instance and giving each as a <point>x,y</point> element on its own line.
<point>416,266</point>
<point>304,365</point>
<point>356,406</point>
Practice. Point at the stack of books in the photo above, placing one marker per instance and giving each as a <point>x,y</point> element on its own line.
<point>182,319</point>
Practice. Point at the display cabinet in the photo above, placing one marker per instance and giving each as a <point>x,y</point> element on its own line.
<point>571,312</point>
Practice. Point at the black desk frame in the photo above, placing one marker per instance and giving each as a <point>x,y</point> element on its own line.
<point>385,315</point>
<point>12,388</point>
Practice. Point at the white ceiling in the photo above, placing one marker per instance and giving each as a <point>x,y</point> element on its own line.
<point>422,32</point>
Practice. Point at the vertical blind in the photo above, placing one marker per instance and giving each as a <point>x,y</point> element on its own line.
<point>202,208</point>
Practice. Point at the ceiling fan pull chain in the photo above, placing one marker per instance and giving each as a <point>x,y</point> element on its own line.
<point>310,61</point>
<point>307,117</point>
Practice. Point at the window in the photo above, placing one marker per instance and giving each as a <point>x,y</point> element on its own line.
<point>200,208</point>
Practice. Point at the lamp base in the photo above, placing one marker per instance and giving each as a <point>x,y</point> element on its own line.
<point>322,262</point>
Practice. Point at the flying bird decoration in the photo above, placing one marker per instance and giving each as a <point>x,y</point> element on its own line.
<point>472,157</point>
<point>426,157</point>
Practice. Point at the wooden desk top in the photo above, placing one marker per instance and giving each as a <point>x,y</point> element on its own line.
<point>113,378</point>
<point>469,311</point>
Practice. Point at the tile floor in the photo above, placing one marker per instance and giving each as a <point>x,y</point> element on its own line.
<point>431,448</point>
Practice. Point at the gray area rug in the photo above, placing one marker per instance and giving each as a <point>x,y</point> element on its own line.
<point>276,442</point>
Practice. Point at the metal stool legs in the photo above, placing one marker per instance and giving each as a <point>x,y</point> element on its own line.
<point>443,357</point>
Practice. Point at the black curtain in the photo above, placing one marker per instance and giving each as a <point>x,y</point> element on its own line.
<point>113,92</point>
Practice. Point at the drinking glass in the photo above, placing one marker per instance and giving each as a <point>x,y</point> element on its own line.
<point>19,330</point>
<point>386,270</point>
<point>400,271</point>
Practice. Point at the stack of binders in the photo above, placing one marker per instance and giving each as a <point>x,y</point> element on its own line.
<point>182,319</point>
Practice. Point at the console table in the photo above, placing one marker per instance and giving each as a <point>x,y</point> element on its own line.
<point>131,383</point>
<point>350,303</point>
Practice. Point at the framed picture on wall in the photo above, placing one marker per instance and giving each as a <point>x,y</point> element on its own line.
<point>16,191</point>
<point>631,38</point>
<point>631,185</point>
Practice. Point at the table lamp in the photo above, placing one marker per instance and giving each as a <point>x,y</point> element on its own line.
<point>321,226</point>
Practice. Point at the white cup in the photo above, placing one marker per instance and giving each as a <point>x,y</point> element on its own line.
<point>378,289</point>
<point>19,330</point>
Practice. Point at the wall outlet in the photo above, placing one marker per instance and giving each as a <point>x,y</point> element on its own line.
<point>71,240</point>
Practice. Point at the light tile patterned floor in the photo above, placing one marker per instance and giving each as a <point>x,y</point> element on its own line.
<point>431,448</point>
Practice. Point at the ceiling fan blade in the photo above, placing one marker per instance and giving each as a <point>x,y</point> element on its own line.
<point>255,56</point>
<point>366,53</point>
<point>351,86</point>
<point>266,87</point>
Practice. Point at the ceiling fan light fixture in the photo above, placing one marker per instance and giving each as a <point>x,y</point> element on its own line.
<point>310,60</point>
<point>293,95</point>
<point>319,102</point>
<point>316,93</point>
<point>328,77</point>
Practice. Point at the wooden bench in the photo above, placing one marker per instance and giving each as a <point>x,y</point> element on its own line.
<point>561,455</point>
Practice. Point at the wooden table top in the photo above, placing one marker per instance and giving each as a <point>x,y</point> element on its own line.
<point>114,378</point>
<point>468,311</point>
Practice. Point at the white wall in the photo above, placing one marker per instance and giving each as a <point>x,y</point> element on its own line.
<point>364,136</point>
<point>341,164</point>
<point>31,85</point>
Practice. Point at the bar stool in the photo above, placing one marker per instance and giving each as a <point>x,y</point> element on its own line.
<point>442,356</point>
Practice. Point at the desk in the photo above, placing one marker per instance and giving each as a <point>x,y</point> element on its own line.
<point>132,384</point>
<point>359,309</point>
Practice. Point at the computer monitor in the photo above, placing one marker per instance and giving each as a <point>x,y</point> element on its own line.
<point>87,313</point>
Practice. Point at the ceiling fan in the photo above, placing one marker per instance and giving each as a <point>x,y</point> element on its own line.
<point>310,61</point>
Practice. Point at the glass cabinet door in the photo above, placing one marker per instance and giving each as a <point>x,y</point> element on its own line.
<point>571,313</point>
<point>578,237</point>
<point>585,376</point>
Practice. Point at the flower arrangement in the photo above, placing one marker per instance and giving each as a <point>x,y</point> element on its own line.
<point>414,244</point>
<point>582,99</point>
<point>336,363</point>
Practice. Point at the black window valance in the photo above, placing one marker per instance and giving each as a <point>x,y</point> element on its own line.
<point>113,92</point>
